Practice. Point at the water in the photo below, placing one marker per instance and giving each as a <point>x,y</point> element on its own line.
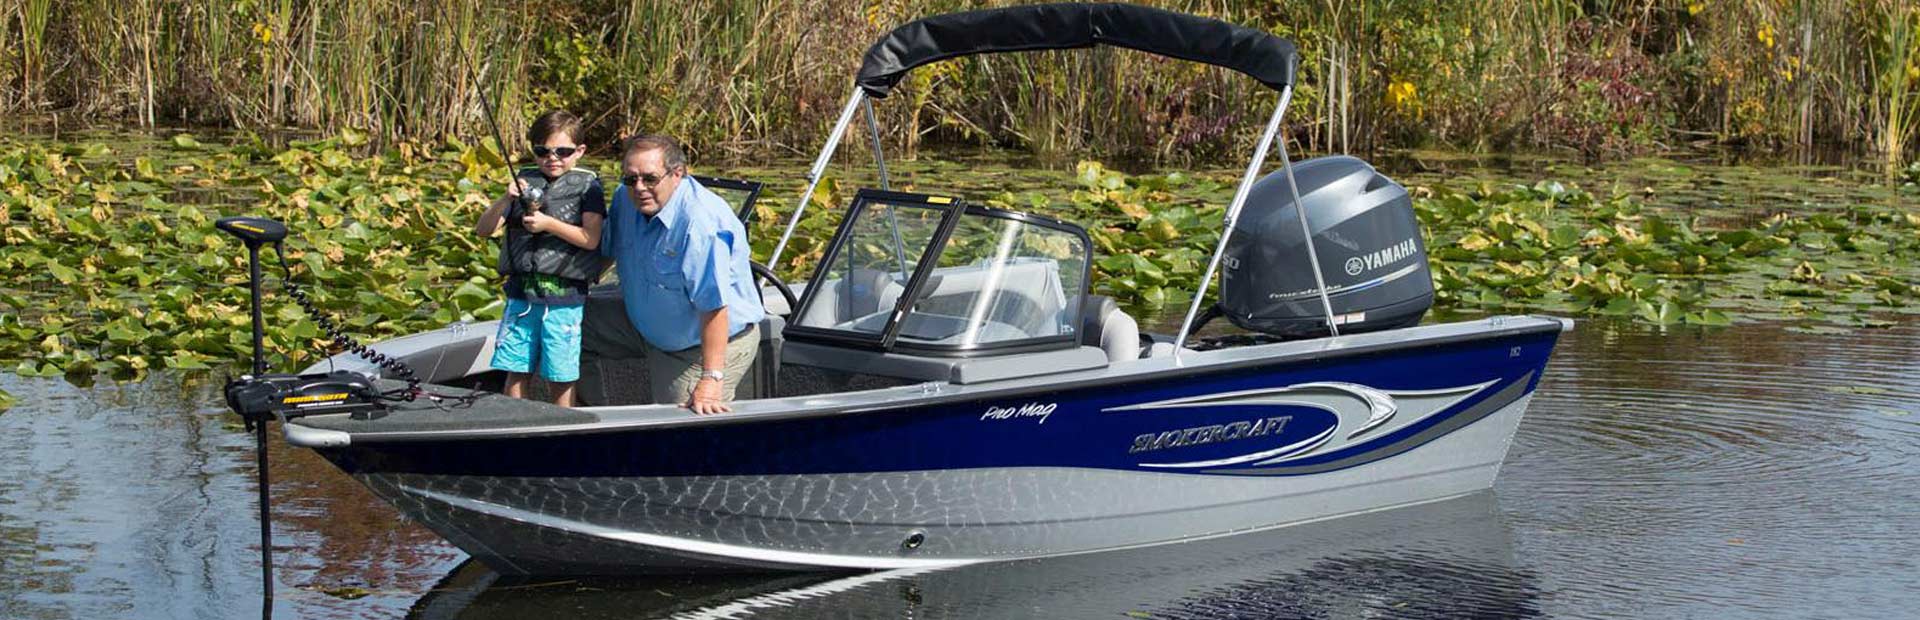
<point>1742,472</point>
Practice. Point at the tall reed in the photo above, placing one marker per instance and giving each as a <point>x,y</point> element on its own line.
<point>31,56</point>
<point>757,77</point>
<point>1895,74</point>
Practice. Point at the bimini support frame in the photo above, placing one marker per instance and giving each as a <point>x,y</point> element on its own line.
<point>1233,216</point>
<point>819,170</point>
<point>858,101</point>
<point>1258,54</point>
<point>873,131</point>
<point>880,161</point>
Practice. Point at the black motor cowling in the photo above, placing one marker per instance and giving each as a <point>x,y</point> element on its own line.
<point>1368,241</point>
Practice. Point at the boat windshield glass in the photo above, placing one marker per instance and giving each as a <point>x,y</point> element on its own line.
<point>868,268</point>
<point>999,280</point>
<point>938,275</point>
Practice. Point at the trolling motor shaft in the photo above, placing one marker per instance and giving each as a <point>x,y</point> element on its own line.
<point>255,232</point>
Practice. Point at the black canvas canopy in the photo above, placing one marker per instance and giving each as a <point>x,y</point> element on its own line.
<point>1261,55</point>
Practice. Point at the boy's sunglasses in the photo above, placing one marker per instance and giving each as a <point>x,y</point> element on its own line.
<point>562,152</point>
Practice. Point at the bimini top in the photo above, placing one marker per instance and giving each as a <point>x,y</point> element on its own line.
<point>1261,55</point>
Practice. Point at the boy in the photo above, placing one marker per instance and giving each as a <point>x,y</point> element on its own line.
<point>550,257</point>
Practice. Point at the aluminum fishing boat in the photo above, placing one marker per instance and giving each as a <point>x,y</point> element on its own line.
<point>945,389</point>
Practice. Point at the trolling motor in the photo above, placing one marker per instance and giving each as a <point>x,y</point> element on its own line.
<point>260,397</point>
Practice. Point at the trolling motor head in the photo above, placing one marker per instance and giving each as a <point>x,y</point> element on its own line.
<point>255,231</point>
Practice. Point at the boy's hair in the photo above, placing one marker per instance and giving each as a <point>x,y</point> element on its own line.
<point>555,122</point>
<point>671,155</point>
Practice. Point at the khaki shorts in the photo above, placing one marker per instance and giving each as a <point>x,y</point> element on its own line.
<point>674,373</point>
<point>671,375</point>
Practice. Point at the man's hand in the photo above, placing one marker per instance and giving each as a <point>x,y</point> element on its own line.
<point>708,397</point>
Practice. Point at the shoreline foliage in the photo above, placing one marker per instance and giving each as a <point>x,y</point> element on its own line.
<point>752,78</point>
<point>118,269</point>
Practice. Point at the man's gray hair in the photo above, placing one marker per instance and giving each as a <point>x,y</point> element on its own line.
<point>671,155</point>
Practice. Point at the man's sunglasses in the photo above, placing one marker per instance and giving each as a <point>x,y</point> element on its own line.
<point>562,152</point>
<point>642,181</point>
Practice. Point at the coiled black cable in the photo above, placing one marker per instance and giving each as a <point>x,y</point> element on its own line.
<point>340,339</point>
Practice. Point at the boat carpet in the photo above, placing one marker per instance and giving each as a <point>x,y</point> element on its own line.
<point>490,411</point>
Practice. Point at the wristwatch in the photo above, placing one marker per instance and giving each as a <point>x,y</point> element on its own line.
<point>715,375</point>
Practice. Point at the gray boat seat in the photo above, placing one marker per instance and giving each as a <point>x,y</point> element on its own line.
<point>864,294</point>
<point>1106,326</point>
<point>775,304</point>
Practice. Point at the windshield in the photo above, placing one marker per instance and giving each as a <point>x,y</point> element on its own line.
<point>868,266</point>
<point>998,278</point>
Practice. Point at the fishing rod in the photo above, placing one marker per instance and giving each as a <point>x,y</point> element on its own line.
<point>260,397</point>
<point>499,139</point>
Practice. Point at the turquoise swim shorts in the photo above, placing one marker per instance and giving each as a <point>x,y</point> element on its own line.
<point>543,335</point>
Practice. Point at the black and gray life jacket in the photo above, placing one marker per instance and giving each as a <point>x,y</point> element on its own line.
<point>527,253</point>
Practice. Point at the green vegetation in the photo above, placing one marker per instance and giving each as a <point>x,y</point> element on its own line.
<point>1563,250</point>
<point>756,77</point>
<point>118,268</point>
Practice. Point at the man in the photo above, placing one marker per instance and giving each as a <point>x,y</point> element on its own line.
<point>682,259</point>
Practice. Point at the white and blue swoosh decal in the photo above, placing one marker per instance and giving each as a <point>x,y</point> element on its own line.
<point>1365,415</point>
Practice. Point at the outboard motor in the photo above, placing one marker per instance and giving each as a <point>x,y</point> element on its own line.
<point>1373,258</point>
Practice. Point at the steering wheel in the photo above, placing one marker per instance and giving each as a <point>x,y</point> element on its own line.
<point>762,272</point>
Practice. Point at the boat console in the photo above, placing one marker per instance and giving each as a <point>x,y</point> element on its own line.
<point>912,289</point>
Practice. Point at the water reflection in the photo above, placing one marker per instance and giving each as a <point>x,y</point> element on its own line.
<point>136,500</point>
<point>1451,558</point>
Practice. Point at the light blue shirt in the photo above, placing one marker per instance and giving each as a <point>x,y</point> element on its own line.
<point>686,260</point>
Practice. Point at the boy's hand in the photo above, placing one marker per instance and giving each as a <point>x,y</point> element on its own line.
<point>514,188</point>
<point>538,222</point>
